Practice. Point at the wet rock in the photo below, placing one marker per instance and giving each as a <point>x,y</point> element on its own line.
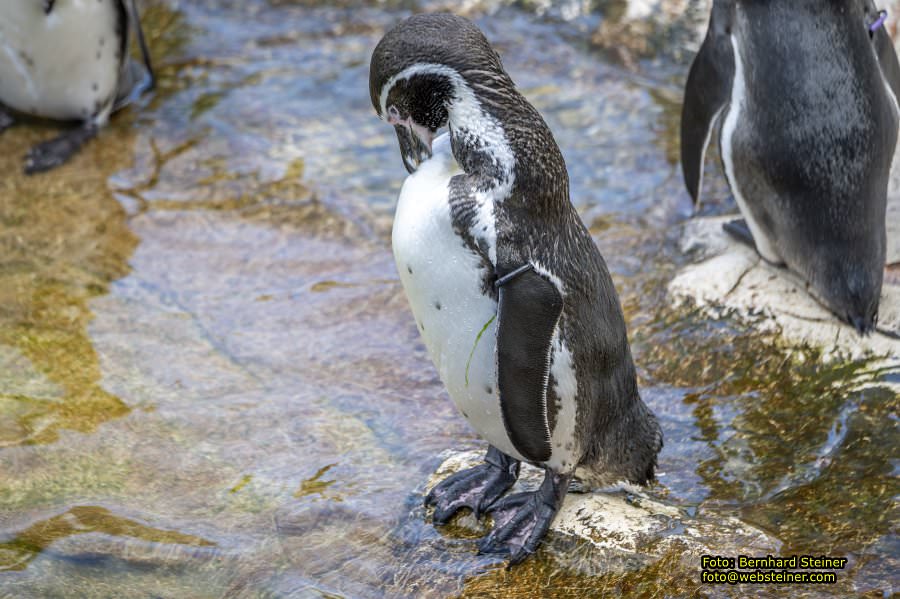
<point>626,525</point>
<point>731,279</point>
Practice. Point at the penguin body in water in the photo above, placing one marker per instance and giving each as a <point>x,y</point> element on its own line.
<point>510,293</point>
<point>68,60</point>
<point>806,93</point>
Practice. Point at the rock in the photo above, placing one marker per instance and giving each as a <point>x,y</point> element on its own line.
<point>731,279</point>
<point>626,523</point>
<point>893,212</point>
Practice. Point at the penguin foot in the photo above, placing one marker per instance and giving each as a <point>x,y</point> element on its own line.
<point>522,520</point>
<point>476,488</point>
<point>739,230</point>
<point>6,121</point>
<point>50,154</point>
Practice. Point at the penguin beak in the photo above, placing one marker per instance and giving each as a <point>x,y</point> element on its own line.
<point>414,149</point>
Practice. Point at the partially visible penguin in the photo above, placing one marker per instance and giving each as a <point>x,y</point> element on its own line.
<point>68,60</point>
<point>806,92</point>
<point>510,293</point>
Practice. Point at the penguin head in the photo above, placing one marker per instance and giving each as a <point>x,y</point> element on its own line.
<point>418,70</point>
<point>853,293</point>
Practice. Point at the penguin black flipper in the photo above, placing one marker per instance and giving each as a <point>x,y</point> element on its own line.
<point>135,78</point>
<point>707,92</point>
<point>887,59</point>
<point>529,308</point>
<point>48,6</point>
<point>134,81</point>
<point>135,19</point>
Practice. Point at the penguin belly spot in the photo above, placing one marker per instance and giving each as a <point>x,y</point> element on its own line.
<point>442,280</point>
<point>62,66</point>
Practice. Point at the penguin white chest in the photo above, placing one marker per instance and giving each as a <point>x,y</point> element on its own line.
<point>442,279</point>
<point>64,65</point>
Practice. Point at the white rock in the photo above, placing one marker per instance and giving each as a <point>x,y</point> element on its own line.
<point>731,279</point>
<point>626,522</point>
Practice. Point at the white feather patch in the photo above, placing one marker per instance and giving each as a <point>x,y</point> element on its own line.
<point>564,442</point>
<point>546,273</point>
<point>738,95</point>
<point>62,65</point>
<point>481,131</point>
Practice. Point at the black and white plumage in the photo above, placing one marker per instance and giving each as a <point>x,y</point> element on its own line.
<point>510,293</point>
<point>68,60</point>
<point>806,92</point>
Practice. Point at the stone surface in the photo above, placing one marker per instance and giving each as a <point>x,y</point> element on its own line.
<point>730,278</point>
<point>626,522</point>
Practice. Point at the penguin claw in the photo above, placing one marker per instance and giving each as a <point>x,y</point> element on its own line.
<point>475,488</point>
<point>521,521</point>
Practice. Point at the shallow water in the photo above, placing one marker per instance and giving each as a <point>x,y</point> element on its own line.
<point>210,381</point>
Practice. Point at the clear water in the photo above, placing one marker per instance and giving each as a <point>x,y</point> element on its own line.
<point>210,382</point>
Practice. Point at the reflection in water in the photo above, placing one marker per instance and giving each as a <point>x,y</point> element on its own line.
<point>79,520</point>
<point>795,445</point>
<point>285,414</point>
<point>63,239</point>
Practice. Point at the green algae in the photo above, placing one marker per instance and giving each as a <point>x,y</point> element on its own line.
<point>475,345</point>
<point>29,543</point>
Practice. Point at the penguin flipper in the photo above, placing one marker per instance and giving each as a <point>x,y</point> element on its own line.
<point>706,93</point>
<point>48,6</point>
<point>135,18</point>
<point>887,59</point>
<point>135,78</point>
<point>529,308</point>
<point>133,82</point>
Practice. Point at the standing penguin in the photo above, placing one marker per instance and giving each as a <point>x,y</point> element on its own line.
<point>807,92</point>
<point>68,60</point>
<point>510,293</point>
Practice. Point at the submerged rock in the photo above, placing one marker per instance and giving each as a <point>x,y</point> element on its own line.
<point>628,527</point>
<point>730,278</point>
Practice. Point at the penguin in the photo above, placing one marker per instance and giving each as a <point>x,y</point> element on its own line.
<point>509,292</point>
<point>68,60</point>
<point>807,95</point>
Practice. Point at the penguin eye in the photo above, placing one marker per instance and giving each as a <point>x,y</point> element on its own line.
<point>393,112</point>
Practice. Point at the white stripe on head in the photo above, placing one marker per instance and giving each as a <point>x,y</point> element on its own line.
<point>420,68</point>
<point>482,131</point>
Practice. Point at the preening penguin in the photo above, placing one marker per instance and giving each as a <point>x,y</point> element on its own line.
<point>68,60</point>
<point>510,293</point>
<point>806,92</point>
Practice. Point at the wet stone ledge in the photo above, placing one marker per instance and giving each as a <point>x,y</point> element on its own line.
<point>629,528</point>
<point>729,278</point>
